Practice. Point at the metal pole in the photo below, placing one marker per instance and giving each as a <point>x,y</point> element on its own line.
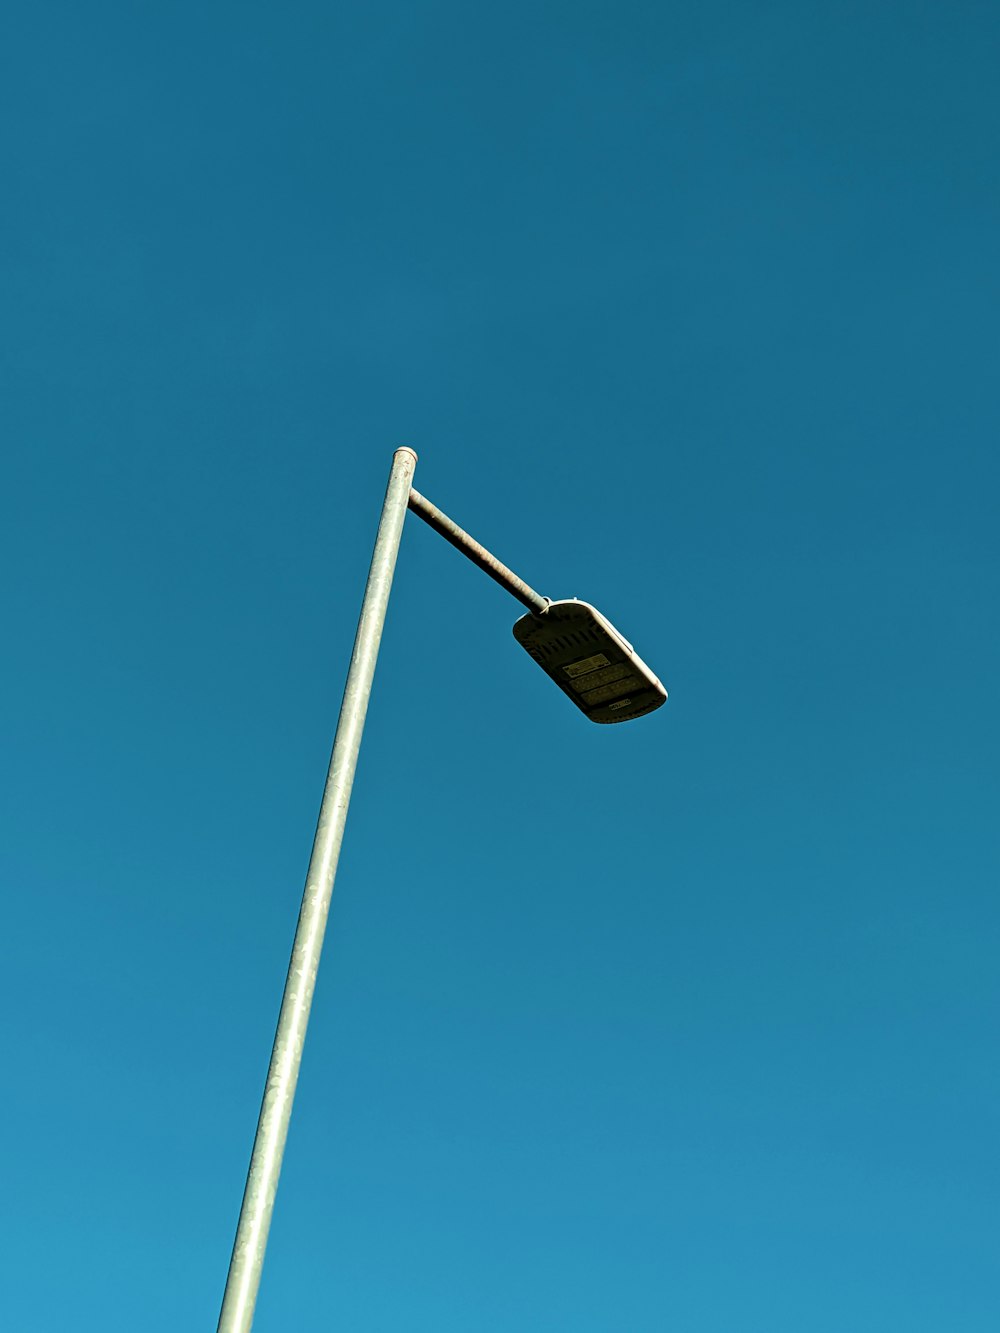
<point>477,553</point>
<point>286,1055</point>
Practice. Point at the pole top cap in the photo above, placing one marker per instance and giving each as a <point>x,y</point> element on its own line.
<point>405,449</point>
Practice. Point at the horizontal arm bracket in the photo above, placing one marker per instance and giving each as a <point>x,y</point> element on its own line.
<point>478,554</point>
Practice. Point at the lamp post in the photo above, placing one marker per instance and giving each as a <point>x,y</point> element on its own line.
<point>586,657</point>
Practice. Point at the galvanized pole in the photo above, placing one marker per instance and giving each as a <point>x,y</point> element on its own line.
<point>286,1055</point>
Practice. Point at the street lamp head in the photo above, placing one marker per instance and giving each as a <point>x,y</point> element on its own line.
<point>590,661</point>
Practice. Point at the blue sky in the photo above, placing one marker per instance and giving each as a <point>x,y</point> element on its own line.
<point>690,311</point>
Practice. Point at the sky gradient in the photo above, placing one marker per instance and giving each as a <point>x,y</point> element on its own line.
<point>690,312</point>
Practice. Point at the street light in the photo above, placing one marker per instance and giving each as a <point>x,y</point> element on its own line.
<point>571,641</point>
<point>586,657</point>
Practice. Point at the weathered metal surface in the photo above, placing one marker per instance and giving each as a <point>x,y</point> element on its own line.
<point>282,1075</point>
<point>477,553</point>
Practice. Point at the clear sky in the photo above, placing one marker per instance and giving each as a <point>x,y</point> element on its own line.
<point>690,311</point>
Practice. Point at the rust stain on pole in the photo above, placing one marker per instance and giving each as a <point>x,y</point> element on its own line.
<point>477,553</point>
